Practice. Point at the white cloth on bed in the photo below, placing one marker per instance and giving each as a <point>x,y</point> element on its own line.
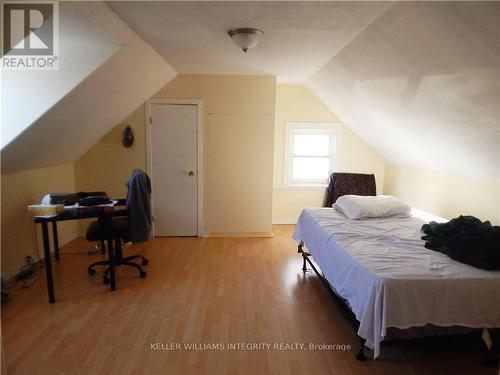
<point>389,279</point>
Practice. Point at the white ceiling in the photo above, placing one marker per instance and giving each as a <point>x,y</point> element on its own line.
<point>419,82</point>
<point>299,37</point>
<point>421,85</point>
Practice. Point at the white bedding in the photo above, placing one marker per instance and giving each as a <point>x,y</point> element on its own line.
<point>360,206</point>
<point>381,267</point>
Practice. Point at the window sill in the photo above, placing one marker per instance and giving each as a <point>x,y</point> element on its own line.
<point>300,187</point>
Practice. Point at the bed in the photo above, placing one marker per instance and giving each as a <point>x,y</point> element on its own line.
<point>388,279</point>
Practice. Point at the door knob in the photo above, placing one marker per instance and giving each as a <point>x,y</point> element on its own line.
<point>191,173</point>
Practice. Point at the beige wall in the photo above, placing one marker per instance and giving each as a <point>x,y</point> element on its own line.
<point>108,165</point>
<point>238,148</point>
<point>297,103</point>
<point>20,189</point>
<point>238,126</point>
<point>443,194</point>
<point>241,129</point>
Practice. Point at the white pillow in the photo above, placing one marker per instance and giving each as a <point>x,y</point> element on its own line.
<point>357,206</point>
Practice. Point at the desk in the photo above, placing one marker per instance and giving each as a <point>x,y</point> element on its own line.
<point>90,213</point>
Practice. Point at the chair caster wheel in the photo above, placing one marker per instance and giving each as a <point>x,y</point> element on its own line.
<point>91,271</point>
<point>145,262</point>
<point>143,274</point>
<point>106,280</point>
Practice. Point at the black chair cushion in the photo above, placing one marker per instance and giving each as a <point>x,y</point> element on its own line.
<point>96,231</point>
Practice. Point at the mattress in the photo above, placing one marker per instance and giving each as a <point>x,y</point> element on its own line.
<point>389,279</point>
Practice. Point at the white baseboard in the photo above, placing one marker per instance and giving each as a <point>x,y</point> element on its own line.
<point>266,234</point>
<point>284,221</point>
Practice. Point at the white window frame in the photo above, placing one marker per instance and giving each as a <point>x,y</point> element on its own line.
<point>333,129</point>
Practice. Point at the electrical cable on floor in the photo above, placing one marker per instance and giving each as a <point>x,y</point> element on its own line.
<point>34,276</point>
<point>34,267</point>
<point>31,270</point>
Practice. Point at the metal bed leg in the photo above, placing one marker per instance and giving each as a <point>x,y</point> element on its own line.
<point>490,339</point>
<point>360,356</point>
<point>361,353</point>
<point>300,250</point>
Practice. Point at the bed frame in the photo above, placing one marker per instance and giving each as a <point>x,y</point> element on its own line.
<point>341,303</point>
<point>491,357</point>
<point>364,184</point>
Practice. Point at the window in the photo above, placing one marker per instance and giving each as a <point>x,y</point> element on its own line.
<point>310,152</point>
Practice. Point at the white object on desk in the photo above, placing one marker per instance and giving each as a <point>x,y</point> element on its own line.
<point>45,210</point>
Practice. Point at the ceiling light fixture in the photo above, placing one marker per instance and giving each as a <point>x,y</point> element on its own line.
<point>245,37</point>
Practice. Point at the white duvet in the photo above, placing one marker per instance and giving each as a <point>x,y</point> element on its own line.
<point>381,267</point>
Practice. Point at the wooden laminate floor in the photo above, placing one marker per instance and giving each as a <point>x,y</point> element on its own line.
<point>204,291</point>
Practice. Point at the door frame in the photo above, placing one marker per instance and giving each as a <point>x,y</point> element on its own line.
<point>199,137</point>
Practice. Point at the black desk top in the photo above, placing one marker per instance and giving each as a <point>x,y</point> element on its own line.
<point>68,215</point>
<point>86,213</point>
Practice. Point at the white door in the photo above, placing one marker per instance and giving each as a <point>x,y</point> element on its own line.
<point>174,169</point>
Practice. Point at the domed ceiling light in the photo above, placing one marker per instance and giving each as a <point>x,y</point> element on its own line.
<point>245,37</point>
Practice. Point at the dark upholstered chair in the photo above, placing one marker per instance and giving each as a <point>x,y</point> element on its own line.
<point>130,224</point>
<point>349,183</point>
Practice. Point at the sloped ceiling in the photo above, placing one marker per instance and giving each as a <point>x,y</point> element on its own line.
<point>421,85</point>
<point>418,81</point>
<point>89,111</point>
<point>299,36</point>
<point>26,95</point>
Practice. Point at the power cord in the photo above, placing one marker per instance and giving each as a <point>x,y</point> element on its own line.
<point>26,270</point>
<point>31,271</point>
<point>35,275</point>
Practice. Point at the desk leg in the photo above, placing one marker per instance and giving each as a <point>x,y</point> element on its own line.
<point>112,254</point>
<point>48,266</point>
<point>56,240</point>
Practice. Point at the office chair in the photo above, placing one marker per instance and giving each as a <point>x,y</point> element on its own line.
<point>130,224</point>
